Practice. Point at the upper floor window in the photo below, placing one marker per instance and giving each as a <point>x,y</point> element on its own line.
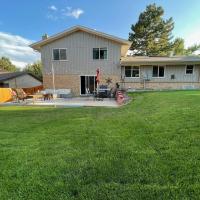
<point>59,54</point>
<point>100,53</point>
<point>132,71</point>
<point>189,69</point>
<point>158,71</point>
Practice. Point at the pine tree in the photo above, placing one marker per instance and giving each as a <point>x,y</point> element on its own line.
<point>151,35</point>
<point>179,47</point>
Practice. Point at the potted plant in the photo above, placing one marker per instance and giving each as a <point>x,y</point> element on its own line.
<point>108,81</point>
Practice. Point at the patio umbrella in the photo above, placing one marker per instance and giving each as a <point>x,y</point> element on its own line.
<point>98,79</point>
<point>98,76</point>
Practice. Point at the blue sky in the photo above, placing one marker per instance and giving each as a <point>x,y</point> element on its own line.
<point>23,21</point>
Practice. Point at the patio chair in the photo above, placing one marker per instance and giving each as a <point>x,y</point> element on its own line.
<point>14,96</point>
<point>20,94</point>
<point>48,96</point>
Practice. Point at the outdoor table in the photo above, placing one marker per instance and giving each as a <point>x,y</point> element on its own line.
<point>104,92</point>
<point>36,96</point>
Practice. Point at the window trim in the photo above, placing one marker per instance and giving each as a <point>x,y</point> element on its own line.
<point>99,53</point>
<point>131,71</point>
<point>192,71</point>
<point>159,66</point>
<point>59,54</point>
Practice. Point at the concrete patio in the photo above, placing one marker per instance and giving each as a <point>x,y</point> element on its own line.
<point>68,102</point>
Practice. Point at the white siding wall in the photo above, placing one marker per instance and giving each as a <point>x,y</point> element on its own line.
<point>80,59</point>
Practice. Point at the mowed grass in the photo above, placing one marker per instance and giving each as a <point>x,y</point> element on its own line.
<point>148,149</point>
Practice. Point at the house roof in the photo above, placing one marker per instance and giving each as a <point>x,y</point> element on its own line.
<point>8,76</point>
<point>145,60</point>
<point>69,31</point>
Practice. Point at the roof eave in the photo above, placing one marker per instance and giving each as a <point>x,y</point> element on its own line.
<point>158,62</point>
<point>21,74</point>
<point>37,45</point>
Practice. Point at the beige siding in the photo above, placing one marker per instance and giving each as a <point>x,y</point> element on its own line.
<point>178,71</point>
<point>79,52</point>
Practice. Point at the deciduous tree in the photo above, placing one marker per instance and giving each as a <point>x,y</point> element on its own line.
<point>35,69</point>
<point>6,64</point>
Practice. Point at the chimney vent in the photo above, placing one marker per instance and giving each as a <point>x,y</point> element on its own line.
<point>44,37</point>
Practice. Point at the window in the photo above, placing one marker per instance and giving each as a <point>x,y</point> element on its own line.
<point>59,54</point>
<point>56,54</point>
<point>95,53</point>
<point>158,71</point>
<point>128,72</point>
<point>100,53</point>
<point>103,53</point>
<point>132,71</point>
<point>189,69</point>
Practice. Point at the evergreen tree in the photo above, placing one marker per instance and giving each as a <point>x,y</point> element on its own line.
<point>151,35</point>
<point>179,47</point>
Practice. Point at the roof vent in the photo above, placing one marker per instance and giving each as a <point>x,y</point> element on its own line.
<point>45,36</point>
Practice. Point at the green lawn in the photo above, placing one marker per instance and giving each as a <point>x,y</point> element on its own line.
<point>148,149</point>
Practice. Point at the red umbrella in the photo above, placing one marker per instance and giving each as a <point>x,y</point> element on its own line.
<point>98,76</point>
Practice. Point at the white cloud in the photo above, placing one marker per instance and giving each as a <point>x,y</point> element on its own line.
<point>19,64</point>
<point>52,17</point>
<point>75,13</point>
<point>53,8</point>
<point>192,37</point>
<point>197,52</point>
<point>63,13</point>
<point>17,49</point>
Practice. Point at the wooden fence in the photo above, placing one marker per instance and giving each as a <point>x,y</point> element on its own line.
<point>5,95</point>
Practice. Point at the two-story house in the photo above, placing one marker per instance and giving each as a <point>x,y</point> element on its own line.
<point>70,60</point>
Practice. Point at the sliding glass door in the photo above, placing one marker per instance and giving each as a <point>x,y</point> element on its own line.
<point>88,85</point>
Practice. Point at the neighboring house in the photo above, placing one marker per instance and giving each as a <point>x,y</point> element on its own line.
<point>70,60</point>
<point>19,80</point>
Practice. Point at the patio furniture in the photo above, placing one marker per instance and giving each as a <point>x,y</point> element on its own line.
<point>20,94</point>
<point>47,96</point>
<point>64,93</point>
<point>97,97</point>
<point>58,93</point>
<point>104,91</point>
<point>14,96</point>
<point>36,96</point>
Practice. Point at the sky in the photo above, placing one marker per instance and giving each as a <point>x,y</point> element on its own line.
<point>23,22</point>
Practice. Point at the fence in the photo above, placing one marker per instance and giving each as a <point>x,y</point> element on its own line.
<point>5,95</point>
